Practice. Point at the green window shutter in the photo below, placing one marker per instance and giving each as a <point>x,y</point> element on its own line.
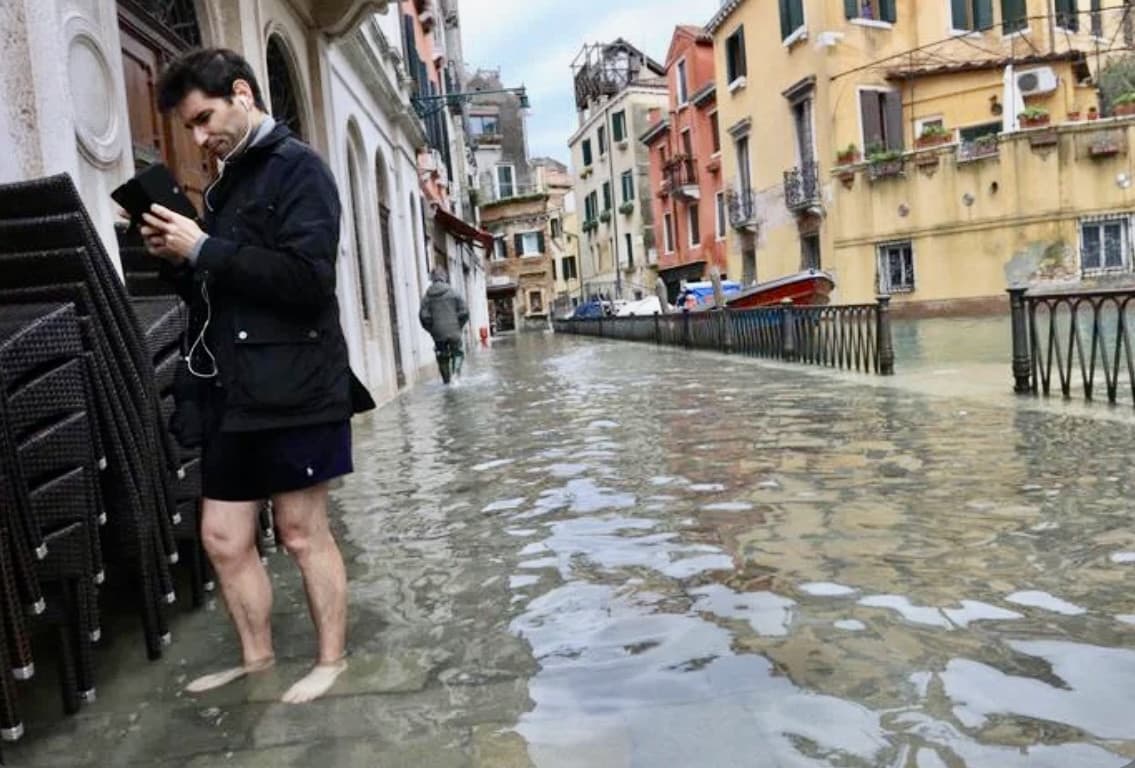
<point>983,14</point>
<point>1066,15</point>
<point>540,247</point>
<point>587,151</point>
<point>606,196</point>
<point>887,11</point>
<point>1014,16</point>
<point>958,14</point>
<point>851,8</point>
<point>785,19</point>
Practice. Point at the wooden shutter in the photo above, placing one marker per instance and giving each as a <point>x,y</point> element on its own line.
<point>892,119</point>
<point>540,242</point>
<point>785,19</point>
<point>983,14</point>
<point>872,119</point>
<point>518,244</point>
<point>958,16</point>
<point>851,8</point>
<point>887,11</point>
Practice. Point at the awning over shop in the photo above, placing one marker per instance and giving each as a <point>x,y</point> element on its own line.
<point>463,230</point>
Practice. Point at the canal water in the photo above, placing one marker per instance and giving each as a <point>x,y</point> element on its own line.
<point>603,554</point>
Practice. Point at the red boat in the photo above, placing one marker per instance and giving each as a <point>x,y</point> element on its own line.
<point>804,289</point>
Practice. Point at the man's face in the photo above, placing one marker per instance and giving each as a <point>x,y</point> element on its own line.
<point>218,124</point>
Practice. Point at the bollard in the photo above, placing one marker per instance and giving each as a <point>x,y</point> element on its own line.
<point>1022,358</point>
<point>883,336</point>
<point>788,331</point>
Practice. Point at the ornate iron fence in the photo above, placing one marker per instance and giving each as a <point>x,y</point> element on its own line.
<point>854,337</point>
<point>1084,338</point>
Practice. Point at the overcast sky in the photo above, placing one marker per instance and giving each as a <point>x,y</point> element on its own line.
<point>533,43</point>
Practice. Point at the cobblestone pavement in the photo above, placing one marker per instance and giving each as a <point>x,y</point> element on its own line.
<point>599,554</point>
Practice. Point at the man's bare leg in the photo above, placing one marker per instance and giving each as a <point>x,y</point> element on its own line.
<point>228,533</point>
<point>301,518</point>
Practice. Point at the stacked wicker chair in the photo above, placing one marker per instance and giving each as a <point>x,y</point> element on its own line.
<point>92,487</point>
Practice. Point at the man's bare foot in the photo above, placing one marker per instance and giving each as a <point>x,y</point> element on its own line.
<point>315,683</point>
<point>217,679</point>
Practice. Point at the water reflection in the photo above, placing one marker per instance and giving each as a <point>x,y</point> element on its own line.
<point>717,563</point>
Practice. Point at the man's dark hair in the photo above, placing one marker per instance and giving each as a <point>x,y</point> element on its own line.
<point>209,70</point>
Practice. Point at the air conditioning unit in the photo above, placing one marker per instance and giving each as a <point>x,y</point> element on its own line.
<point>1039,80</point>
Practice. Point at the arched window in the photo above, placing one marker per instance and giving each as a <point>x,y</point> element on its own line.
<point>357,231</point>
<point>283,88</point>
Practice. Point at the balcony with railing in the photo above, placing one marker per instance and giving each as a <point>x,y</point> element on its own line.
<point>680,177</point>
<point>742,205</point>
<point>802,186</point>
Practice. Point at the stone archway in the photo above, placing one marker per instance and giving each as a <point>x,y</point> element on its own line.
<point>284,91</point>
<point>383,195</point>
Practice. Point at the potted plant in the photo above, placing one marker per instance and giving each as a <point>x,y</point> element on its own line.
<point>883,162</point>
<point>1073,115</point>
<point>1034,117</point>
<point>932,135</point>
<point>627,208</point>
<point>605,216</point>
<point>1093,113</point>
<point>984,146</point>
<point>1124,104</point>
<point>848,155</point>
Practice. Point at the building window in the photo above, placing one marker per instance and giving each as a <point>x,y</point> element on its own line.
<point>586,152</point>
<point>878,10</point>
<point>628,186</point>
<point>606,196</point>
<point>529,243</point>
<point>535,302</point>
<point>896,268</point>
<point>602,135</point>
<point>683,88</point>
<point>591,206</point>
<point>1104,244</point>
<point>687,144</point>
<point>1097,19</point>
<point>1067,16</point>
<point>881,118</point>
<point>568,268</point>
<point>668,232</point>
<point>735,67</point>
<point>719,201</point>
<point>628,241</point>
<point>715,132</point>
<point>791,18</point>
<point>692,223</point>
<point>810,251</point>
<point>744,172</point>
<point>505,186</point>
<point>971,15</point>
<point>619,126</point>
<point>557,229</point>
<point>500,250</point>
<point>484,125</point>
<point>1014,16</point>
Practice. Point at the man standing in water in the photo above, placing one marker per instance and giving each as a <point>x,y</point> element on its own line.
<point>267,353</point>
<point>444,315</point>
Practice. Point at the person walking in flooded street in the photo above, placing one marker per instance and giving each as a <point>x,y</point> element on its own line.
<point>444,315</point>
<point>267,355</point>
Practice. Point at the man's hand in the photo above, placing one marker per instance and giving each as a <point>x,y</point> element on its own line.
<point>169,235</point>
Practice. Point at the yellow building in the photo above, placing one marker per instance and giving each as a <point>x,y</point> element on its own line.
<point>945,227</point>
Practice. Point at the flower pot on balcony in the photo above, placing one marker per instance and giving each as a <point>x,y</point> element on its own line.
<point>927,140</point>
<point>1093,113</point>
<point>1074,117</point>
<point>605,217</point>
<point>1035,121</point>
<point>1125,109</point>
<point>884,168</point>
<point>847,157</point>
<point>626,208</point>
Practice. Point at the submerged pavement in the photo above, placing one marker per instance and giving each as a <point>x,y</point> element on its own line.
<point>602,554</point>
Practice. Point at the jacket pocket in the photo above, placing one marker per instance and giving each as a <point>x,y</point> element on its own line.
<point>278,362</point>
<point>252,224</point>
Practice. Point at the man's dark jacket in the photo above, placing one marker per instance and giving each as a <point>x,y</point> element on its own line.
<point>269,270</point>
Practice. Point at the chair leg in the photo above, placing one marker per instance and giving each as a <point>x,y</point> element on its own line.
<point>68,676</point>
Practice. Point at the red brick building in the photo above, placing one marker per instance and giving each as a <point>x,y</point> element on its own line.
<point>685,165</point>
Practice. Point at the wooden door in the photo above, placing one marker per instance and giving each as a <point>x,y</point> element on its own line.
<point>157,138</point>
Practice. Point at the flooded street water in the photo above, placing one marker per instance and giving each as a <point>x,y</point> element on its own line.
<point>601,554</point>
